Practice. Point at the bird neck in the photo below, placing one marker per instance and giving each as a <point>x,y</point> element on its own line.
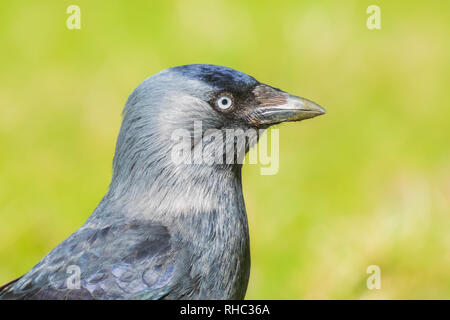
<point>164,192</point>
<point>201,205</point>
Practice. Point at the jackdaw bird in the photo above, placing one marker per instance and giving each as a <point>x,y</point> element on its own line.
<point>169,229</point>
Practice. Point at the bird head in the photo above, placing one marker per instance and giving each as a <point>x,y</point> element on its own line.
<point>177,98</point>
<point>224,98</point>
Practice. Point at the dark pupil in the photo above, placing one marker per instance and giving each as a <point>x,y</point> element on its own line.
<point>224,102</point>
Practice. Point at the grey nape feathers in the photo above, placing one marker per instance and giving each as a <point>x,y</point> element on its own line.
<point>168,229</point>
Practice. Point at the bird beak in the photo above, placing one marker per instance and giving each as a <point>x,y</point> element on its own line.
<point>277,106</point>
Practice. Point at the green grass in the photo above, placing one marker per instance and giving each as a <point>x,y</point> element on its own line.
<point>368,183</point>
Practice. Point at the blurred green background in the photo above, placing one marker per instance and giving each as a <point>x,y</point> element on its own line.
<point>366,184</point>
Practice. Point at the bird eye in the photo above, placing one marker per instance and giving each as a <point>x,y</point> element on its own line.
<point>224,102</point>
